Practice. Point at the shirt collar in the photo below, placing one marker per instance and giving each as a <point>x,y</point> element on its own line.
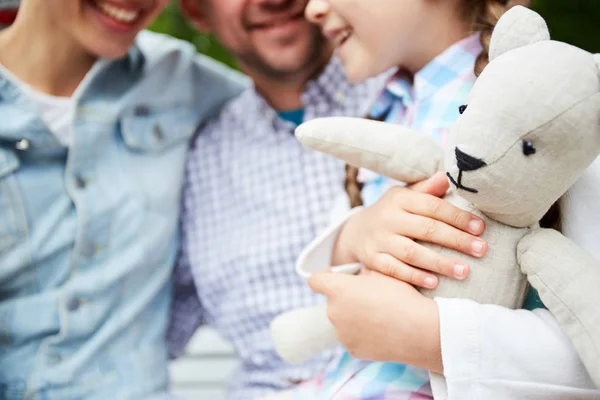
<point>327,90</point>
<point>446,67</point>
<point>29,126</point>
<point>330,87</point>
<point>135,58</point>
<point>455,61</point>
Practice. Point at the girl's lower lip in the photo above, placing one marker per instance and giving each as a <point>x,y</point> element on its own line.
<point>112,23</point>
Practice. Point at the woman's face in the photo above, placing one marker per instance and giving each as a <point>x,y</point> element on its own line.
<point>103,28</point>
<point>371,36</point>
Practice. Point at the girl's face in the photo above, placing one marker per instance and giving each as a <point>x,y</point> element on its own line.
<point>103,28</point>
<point>371,36</point>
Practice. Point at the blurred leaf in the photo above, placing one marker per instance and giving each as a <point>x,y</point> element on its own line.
<point>173,23</point>
<point>572,21</point>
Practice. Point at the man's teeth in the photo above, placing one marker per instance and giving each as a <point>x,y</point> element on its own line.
<point>117,13</point>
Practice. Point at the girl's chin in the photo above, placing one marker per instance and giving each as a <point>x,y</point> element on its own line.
<point>356,73</point>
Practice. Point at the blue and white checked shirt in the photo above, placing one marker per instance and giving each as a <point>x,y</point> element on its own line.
<point>254,198</point>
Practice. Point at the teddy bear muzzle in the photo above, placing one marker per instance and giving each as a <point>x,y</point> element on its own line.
<point>465,163</point>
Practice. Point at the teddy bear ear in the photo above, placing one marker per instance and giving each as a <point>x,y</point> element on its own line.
<point>518,27</point>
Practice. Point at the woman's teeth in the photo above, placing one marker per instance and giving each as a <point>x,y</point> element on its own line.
<point>117,13</point>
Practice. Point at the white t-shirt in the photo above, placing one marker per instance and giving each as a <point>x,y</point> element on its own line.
<point>56,112</point>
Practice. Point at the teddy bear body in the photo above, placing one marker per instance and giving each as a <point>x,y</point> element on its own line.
<point>499,264</point>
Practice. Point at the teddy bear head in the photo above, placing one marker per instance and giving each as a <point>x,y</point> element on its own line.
<point>531,125</point>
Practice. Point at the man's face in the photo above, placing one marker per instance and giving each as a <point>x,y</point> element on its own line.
<point>270,37</point>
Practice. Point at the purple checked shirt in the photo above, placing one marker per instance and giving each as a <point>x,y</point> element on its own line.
<point>254,197</point>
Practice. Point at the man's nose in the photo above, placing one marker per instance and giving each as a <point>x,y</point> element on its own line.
<point>316,11</point>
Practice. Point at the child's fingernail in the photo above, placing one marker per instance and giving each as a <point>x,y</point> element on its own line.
<point>459,270</point>
<point>430,282</point>
<point>475,226</point>
<point>477,247</point>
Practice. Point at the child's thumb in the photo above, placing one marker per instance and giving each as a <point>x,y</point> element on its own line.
<point>437,185</point>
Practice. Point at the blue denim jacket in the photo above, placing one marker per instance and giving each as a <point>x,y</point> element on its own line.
<point>88,236</point>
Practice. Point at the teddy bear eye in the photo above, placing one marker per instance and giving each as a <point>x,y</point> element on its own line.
<point>462,108</point>
<point>528,148</point>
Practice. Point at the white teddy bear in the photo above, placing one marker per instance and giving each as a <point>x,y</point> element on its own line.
<point>529,130</point>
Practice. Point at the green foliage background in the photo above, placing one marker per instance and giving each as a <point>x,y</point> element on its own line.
<point>571,21</point>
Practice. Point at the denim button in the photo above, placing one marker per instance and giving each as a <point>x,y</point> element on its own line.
<point>22,145</point>
<point>141,110</point>
<point>88,250</point>
<point>158,133</point>
<point>73,304</point>
<point>80,182</point>
<point>53,358</point>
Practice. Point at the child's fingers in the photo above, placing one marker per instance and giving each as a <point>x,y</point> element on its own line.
<point>441,210</point>
<point>433,231</point>
<point>393,267</point>
<point>412,253</point>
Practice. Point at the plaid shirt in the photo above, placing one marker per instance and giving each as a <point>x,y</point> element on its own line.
<point>254,198</point>
<point>428,104</point>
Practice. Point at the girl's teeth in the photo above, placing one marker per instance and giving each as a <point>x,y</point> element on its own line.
<point>118,13</point>
<point>343,36</point>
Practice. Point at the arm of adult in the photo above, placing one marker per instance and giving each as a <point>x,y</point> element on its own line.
<point>186,310</point>
<point>187,314</point>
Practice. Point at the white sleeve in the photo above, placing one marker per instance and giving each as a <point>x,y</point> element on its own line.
<point>494,353</point>
<point>317,255</point>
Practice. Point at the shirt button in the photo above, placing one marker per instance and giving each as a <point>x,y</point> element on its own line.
<point>89,250</point>
<point>80,182</point>
<point>53,358</point>
<point>258,360</point>
<point>22,145</point>
<point>141,110</point>
<point>339,97</point>
<point>73,304</point>
<point>158,133</point>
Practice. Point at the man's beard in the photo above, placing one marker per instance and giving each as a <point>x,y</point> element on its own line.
<point>313,60</point>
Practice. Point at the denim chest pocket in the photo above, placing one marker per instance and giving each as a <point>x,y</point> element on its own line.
<point>13,222</point>
<point>156,143</point>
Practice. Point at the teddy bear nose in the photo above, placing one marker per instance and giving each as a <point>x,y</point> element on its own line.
<point>466,162</point>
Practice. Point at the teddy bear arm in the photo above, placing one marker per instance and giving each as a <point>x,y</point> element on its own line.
<point>302,333</point>
<point>567,279</point>
<point>391,150</point>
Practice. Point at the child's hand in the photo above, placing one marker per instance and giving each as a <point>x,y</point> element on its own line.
<point>382,319</point>
<point>381,236</point>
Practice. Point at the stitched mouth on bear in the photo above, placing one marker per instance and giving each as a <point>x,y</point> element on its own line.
<point>458,183</point>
